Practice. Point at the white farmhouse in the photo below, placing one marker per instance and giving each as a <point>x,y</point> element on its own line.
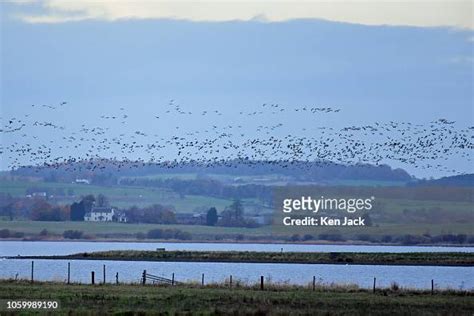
<point>105,214</point>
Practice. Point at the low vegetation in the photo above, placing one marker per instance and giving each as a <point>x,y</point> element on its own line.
<point>212,299</point>
<point>411,258</point>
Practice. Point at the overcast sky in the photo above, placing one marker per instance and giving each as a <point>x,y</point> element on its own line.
<point>376,61</point>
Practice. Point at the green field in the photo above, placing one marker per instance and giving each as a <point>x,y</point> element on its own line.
<point>390,216</point>
<point>220,300</point>
<point>199,232</point>
<point>267,179</point>
<point>92,228</point>
<point>119,196</point>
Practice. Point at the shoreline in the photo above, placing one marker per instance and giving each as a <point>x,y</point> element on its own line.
<point>455,259</point>
<point>235,242</point>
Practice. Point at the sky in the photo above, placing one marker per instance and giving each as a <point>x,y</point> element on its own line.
<point>376,61</point>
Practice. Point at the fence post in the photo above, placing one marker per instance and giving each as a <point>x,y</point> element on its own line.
<point>432,286</point>
<point>103,271</point>
<point>93,277</point>
<point>314,282</point>
<point>32,271</point>
<point>68,273</point>
<point>230,281</point>
<point>202,280</point>
<point>172,279</point>
<point>261,282</point>
<point>116,278</point>
<point>144,277</point>
<point>373,290</point>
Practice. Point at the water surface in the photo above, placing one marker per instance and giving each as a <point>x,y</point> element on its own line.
<point>131,271</point>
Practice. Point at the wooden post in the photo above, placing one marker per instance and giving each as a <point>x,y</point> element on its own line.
<point>116,278</point>
<point>230,281</point>
<point>103,272</point>
<point>373,290</point>
<point>172,279</point>
<point>261,282</point>
<point>202,280</point>
<point>314,282</point>
<point>68,273</point>
<point>144,277</point>
<point>432,286</point>
<point>93,277</point>
<point>32,271</point>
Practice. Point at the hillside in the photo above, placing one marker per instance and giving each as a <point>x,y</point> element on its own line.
<point>108,172</point>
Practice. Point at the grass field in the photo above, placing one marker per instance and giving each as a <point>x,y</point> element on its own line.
<point>33,227</point>
<point>269,179</point>
<point>199,232</point>
<point>218,300</point>
<point>396,217</point>
<point>119,196</point>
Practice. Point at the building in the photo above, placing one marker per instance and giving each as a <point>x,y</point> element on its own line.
<point>105,214</point>
<point>83,181</point>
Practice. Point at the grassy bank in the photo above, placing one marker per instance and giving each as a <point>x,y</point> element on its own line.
<point>187,299</point>
<point>127,232</point>
<point>446,259</point>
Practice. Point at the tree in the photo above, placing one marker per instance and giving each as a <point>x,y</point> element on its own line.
<point>89,201</point>
<point>211,217</point>
<point>43,211</point>
<point>78,210</point>
<point>102,200</point>
<point>233,215</point>
<point>367,219</point>
<point>237,208</point>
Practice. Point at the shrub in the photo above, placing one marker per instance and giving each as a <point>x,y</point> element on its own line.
<point>140,235</point>
<point>239,237</point>
<point>73,234</point>
<point>295,237</point>
<point>168,234</point>
<point>18,235</point>
<point>307,237</point>
<point>183,235</point>
<point>394,286</point>
<point>363,237</point>
<point>155,233</point>
<point>5,233</point>
<point>44,232</point>
<point>332,237</point>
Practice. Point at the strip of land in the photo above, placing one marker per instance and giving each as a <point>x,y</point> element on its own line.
<point>247,300</point>
<point>411,258</point>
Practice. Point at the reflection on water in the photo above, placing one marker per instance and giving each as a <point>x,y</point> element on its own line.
<point>362,275</point>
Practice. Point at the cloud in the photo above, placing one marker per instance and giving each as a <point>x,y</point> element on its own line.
<point>422,13</point>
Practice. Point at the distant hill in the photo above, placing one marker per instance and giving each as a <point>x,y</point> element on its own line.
<point>106,171</point>
<point>465,180</point>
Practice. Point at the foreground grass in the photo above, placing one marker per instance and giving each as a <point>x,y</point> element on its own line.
<point>409,258</point>
<point>188,299</point>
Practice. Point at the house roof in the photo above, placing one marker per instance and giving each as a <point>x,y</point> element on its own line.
<point>102,209</point>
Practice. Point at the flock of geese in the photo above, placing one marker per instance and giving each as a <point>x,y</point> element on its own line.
<point>423,146</point>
